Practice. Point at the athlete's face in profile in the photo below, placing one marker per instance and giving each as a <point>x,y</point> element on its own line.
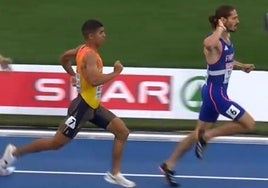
<point>99,36</point>
<point>231,22</point>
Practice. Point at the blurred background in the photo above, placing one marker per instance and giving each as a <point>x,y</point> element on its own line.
<point>140,33</point>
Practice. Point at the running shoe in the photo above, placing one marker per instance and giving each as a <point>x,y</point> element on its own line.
<point>119,179</point>
<point>169,175</point>
<point>7,160</point>
<point>200,145</point>
<point>7,171</point>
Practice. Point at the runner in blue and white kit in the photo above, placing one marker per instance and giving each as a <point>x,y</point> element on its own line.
<point>214,91</point>
<point>219,55</point>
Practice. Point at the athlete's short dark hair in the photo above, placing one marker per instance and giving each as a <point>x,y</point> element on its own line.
<point>221,11</point>
<point>90,26</point>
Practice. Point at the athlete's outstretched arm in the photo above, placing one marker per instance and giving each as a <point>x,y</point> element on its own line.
<point>244,67</point>
<point>93,75</point>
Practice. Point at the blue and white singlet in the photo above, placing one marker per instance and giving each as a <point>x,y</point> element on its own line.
<point>215,100</point>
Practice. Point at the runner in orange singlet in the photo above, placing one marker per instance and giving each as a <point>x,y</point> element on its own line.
<point>85,107</point>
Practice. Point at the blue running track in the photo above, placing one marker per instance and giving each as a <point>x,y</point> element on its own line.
<point>231,162</point>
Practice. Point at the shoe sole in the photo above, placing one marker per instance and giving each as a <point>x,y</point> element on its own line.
<point>110,180</point>
<point>161,170</point>
<point>10,170</point>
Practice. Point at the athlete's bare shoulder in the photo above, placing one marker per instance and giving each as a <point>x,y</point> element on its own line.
<point>79,46</point>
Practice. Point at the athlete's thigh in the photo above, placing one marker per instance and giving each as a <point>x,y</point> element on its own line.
<point>60,139</point>
<point>76,113</point>
<point>102,117</point>
<point>208,111</point>
<point>224,105</point>
<point>230,109</point>
<point>247,120</point>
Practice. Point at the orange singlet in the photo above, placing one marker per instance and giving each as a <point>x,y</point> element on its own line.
<point>91,94</point>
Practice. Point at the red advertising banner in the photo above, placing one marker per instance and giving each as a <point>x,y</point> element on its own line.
<point>34,89</point>
<point>53,90</point>
<point>137,92</point>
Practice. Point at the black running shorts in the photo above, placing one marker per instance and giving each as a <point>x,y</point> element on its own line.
<point>79,111</point>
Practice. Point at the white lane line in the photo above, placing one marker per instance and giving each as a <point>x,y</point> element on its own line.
<point>135,136</point>
<point>141,175</point>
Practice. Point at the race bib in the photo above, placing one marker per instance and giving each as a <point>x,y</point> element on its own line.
<point>78,82</point>
<point>233,111</point>
<point>71,122</point>
<point>98,92</point>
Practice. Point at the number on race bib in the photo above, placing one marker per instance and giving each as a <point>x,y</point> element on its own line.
<point>71,122</point>
<point>233,111</point>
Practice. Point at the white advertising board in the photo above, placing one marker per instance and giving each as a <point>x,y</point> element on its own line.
<point>136,93</point>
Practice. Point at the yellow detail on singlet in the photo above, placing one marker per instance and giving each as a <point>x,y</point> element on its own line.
<point>91,94</point>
